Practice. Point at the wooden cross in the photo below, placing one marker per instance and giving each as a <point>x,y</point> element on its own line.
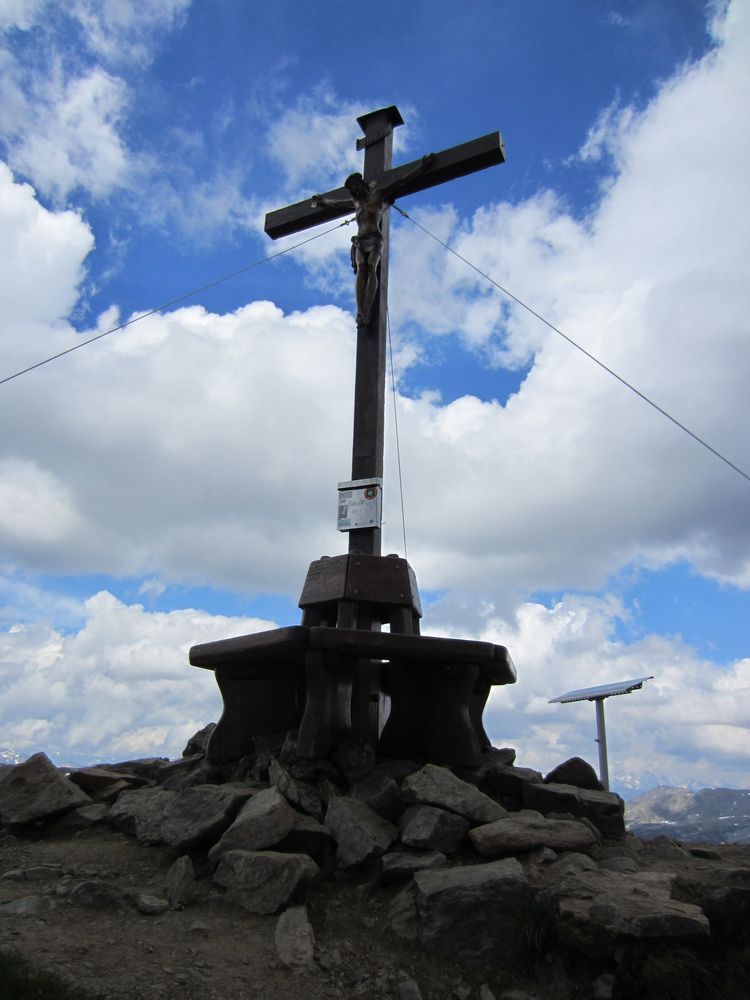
<point>369,385</point>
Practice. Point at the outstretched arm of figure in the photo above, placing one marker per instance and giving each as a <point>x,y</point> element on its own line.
<point>318,199</point>
<point>391,192</point>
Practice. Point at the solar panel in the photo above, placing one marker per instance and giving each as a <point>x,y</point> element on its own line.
<point>602,691</point>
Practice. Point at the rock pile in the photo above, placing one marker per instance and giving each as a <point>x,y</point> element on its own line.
<point>494,861</point>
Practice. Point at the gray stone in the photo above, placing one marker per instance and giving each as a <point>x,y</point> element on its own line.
<point>145,767</point>
<point>525,830</point>
<point>604,986</point>
<point>294,938</point>
<point>664,847</point>
<point>198,816</point>
<point>359,832</point>
<point>397,865</point>
<point>151,906</point>
<point>604,809</point>
<point>97,894</point>
<point>437,786</point>
<point>36,790</point>
<point>355,759</point>
<point>264,821</point>
<point>187,819</point>
<point>141,813</point>
<point>432,828</point>
<point>381,793</point>
<point>728,911</point>
<point>27,906</point>
<point>188,772</point>
<point>469,914</point>
<point>498,778</point>
<point>575,771</point>
<point>82,818</point>
<point>181,882</point>
<point>707,853</point>
<point>575,862</point>
<point>264,881</point>
<point>600,910</point>
<point>485,993</point>
<point>543,856</point>
<point>408,988</point>
<point>98,781</point>
<point>301,794</point>
<point>199,741</point>
<point>308,836</point>
<point>402,915</point>
<point>622,864</point>
<point>36,873</point>
<point>738,876</point>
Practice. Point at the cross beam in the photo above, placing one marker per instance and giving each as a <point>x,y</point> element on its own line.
<point>369,385</point>
<point>458,161</point>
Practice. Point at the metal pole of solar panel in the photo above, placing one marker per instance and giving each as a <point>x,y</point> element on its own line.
<point>601,739</point>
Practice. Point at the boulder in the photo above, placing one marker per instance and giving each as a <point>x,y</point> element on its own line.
<point>82,818</point>
<point>359,832</point>
<point>432,828</point>
<point>398,865</point>
<point>355,759</point>
<point>575,771</point>
<point>497,777</point>
<point>470,914</point>
<point>184,820</point>
<point>526,830</point>
<point>97,894</point>
<point>98,781</point>
<point>150,905</point>
<point>437,786</point>
<point>381,793</point>
<point>36,790</point>
<point>264,821</point>
<point>27,906</point>
<point>294,938</point>
<point>199,741</point>
<point>181,882</point>
<point>308,836</point>
<point>141,812</point>
<point>198,815</point>
<point>728,912</point>
<point>601,910</point>
<point>264,881</point>
<point>301,794</point>
<point>605,810</point>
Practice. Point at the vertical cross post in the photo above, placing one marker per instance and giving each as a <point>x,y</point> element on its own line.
<point>369,384</point>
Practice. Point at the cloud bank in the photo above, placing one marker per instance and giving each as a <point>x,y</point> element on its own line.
<point>200,447</point>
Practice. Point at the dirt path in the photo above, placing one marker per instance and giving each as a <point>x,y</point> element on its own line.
<point>212,949</point>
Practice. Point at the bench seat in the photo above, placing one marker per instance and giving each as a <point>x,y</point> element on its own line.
<point>331,684</point>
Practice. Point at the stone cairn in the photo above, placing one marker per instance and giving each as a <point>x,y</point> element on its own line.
<point>490,858</point>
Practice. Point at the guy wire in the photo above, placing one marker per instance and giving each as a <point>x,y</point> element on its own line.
<point>578,347</point>
<point>395,425</point>
<point>173,302</point>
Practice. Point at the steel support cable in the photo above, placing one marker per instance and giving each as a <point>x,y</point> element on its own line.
<point>173,302</point>
<point>578,347</point>
<point>395,425</point>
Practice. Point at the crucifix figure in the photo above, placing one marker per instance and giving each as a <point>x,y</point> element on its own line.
<point>368,201</point>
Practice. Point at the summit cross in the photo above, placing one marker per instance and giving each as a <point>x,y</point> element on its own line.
<point>370,197</point>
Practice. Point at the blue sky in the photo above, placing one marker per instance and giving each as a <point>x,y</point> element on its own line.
<point>171,482</point>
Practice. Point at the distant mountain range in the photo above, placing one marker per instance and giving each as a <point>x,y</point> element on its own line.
<point>711,815</point>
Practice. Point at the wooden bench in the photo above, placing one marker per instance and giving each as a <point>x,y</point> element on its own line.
<point>332,684</point>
